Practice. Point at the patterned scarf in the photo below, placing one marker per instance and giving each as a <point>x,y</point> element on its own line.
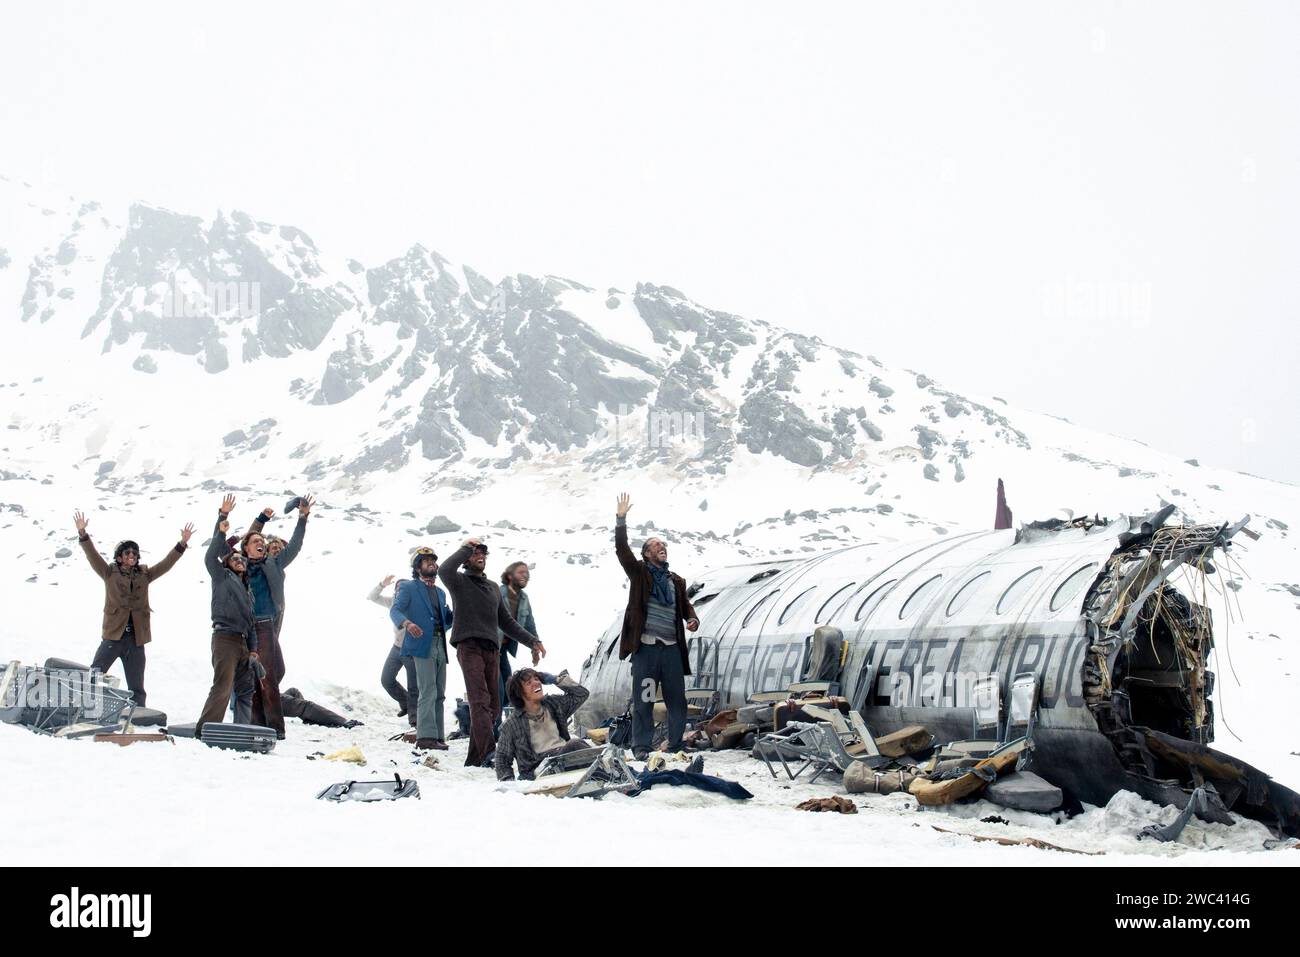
<point>662,589</point>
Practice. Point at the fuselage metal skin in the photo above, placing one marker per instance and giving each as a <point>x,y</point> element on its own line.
<point>925,623</point>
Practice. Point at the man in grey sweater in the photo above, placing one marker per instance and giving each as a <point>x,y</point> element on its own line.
<point>658,615</point>
<point>481,619</point>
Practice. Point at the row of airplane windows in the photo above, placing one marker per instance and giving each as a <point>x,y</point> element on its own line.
<point>1009,599</point>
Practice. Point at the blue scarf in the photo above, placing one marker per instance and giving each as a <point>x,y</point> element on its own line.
<point>662,588</point>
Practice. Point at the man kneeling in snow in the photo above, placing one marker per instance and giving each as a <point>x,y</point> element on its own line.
<point>539,727</point>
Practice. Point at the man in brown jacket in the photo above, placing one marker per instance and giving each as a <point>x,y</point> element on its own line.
<point>125,629</point>
<point>653,635</point>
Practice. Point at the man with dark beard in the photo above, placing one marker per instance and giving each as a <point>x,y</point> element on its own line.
<point>234,632</point>
<point>481,620</point>
<point>420,611</point>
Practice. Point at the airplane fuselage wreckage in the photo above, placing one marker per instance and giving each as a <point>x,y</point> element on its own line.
<point>1106,622</point>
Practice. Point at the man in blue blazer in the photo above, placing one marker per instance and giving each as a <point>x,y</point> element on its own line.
<point>420,607</point>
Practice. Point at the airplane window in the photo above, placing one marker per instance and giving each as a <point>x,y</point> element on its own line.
<point>791,608</point>
<point>766,573</point>
<point>1073,585</point>
<point>705,600</point>
<point>914,600</point>
<point>826,611</point>
<point>871,601</point>
<point>753,611</point>
<point>967,592</point>
<point>1016,590</point>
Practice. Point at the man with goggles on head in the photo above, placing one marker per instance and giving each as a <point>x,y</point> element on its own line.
<point>421,612</point>
<point>126,628</point>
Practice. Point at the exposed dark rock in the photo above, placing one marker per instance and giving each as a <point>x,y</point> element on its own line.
<point>441,524</point>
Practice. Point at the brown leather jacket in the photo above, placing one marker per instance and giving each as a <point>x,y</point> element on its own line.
<point>126,593</point>
<point>640,581</point>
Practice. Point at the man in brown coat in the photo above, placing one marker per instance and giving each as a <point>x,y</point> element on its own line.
<point>653,635</point>
<point>125,629</point>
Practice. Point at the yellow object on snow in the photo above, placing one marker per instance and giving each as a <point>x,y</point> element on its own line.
<point>352,755</point>
<point>659,759</point>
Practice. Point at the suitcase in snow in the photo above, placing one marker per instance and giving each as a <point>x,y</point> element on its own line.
<point>238,737</point>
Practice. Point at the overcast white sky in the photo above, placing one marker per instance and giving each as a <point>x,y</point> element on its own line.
<point>1089,209</point>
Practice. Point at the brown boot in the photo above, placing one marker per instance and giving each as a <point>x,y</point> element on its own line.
<point>426,744</point>
<point>439,745</point>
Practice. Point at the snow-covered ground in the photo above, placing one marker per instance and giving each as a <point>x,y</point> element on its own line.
<point>204,806</point>
<point>209,806</point>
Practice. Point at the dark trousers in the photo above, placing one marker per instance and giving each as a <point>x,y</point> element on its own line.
<point>279,654</point>
<point>266,691</point>
<point>132,656</point>
<point>408,697</point>
<point>229,653</point>
<point>657,665</point>
<point>480,664</point>
<point>503,677</point>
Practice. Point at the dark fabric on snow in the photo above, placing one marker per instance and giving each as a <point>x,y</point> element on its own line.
<point>705,782</point>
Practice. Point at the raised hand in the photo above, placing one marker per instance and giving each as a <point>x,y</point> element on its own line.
<point>186,532</point>
<point>304,507</point>
<point>227,504</point>
<point>224,526</point>
<point>471,543</point>
<point>388,580</point>
<point>268,514</point>
<point>80,520</point>
<point>624,503</point>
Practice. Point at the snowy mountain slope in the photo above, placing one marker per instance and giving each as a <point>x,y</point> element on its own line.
<point>403,391</point>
